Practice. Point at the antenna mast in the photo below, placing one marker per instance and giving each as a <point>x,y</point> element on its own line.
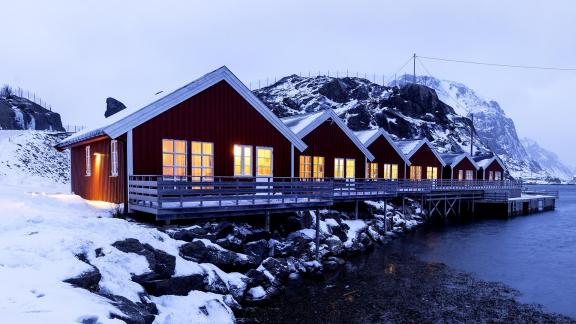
<point>472,135</point>
<point>414,61</point>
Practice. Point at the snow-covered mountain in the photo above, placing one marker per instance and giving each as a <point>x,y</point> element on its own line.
<point>547,160</point>
<point>437,109</point>
<point>21,113</point>
<point>410,111</point>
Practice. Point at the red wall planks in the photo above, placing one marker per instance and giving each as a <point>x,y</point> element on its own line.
<point>385,153</point>
<point>219,115</point>
<point>463,165</point>
<point>100,185</point>
<point>330,141</point>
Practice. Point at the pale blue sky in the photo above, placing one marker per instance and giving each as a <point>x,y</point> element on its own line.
<point>76,53</point>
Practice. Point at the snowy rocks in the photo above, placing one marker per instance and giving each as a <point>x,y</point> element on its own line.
<point>334,245</point>
<point>132,312</point>
<point>179,286</point>
<point>258,249</point>
<point>332,263</point>
<point>188,234</point>
<point>161,263</point>
<point>277,267</point>
<point>203,251</point>
<point>88,280</point>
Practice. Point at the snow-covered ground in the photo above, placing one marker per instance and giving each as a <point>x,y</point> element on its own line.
<point>43,228</point>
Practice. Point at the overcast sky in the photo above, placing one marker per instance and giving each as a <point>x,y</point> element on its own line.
<point>75,54</point>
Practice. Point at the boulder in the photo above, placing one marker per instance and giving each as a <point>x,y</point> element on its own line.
<point>258,249</point>
<point>277,267</point>
<point>161,263</point>
<point>201,252</point>
<point>179,286</point>
<point>189,234</point>
<point>88,280</point>
<point>259,278</point>
<point>131,312</point>
<point>223,229</point>
<point>332,263</point>
<point>334,245</point>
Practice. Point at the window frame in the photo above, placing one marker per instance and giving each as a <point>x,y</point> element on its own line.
<point>88,161</point>
<point>372,173</point>
<point>471,173</point>
<point>497,175</point>
<point>419,173</point>
<point>174,176</point>
<point>315,164</point>
<point>203,178</point>
<point>271,175</point>
<point>433,170</point>
<point>302,164</point>
<point>346,169</point>
<point>243,160</point>
<point>113,158</point>
<point>342,173</point>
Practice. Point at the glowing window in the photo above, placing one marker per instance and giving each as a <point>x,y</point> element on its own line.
<point>372,171</point>
<point>174,159</point>
<point>350,168</point>
<point>242,160</point>
<point>318,167</point>
<point>469,175</point>
<point>88,162</point>
<point>264,158</point>
<point>460,174</point>
<point>490,175</point>
<point>338,168</point>
<point>114,158</point>
<point>415,172</point>
<point>305,166</point>
<point>202,166</point>
<point>431,173</point>
<point>390,171</point>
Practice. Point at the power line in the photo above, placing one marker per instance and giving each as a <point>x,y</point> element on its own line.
<point>532,67</point>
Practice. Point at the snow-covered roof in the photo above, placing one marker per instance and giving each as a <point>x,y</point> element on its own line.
<point>485,161</point>
<point>409,147</point>
<point>452,159</point>
<point>127,119</point>
<point>302,125</point>
<point>367,137</point>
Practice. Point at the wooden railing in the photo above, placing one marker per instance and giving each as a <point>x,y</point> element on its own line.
<point>150,192</point>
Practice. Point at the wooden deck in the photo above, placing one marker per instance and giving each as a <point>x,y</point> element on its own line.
<point>169,199</point>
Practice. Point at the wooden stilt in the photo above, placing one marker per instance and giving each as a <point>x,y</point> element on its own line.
<point>356,209</point>
<point>267,221</point>
<point>318,235</point>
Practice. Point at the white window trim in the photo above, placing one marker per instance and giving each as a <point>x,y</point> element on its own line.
<point>114,158</point>
<point>88,163</point>
<point>242,162</point>
<point>343,168</point>
<point>201,167</point>
<point>271,161</point>
<point>315,175</point>
<point>346,169</point>
<point>175,177</point>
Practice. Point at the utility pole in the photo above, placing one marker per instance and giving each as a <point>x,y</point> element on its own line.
<point>414,61</point>
<point>472,135</point>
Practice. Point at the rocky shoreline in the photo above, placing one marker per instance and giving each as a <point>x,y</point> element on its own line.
<point>242,265</point>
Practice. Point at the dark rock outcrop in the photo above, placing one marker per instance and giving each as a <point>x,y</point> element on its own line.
<point>21,113</point>
<point>131,312</point>
<point>88,280</point>
<point>161,263</point>
<point>226,260</point>
<point>113,106</point>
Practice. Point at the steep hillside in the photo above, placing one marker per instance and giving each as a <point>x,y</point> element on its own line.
<point>29,156</point>
<point>408,112</point>
<point>547,160</point>
<point>21,113</point>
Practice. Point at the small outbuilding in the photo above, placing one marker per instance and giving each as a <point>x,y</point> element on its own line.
<point>333,150</point>
<point>425,162</point>
<point>491,168</point>
<point>459,166</point>
<point>389,160</point>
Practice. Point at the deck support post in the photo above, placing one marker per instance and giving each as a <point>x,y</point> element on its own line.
<point>385,215</point>
<point>356,209</point>
<point>317,242</point>
<point>267,221</point>
<point>403,206</point>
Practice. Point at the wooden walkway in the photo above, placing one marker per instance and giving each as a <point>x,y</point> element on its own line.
<point>228,196</point>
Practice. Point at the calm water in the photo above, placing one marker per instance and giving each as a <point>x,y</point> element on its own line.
<point>534,254</point>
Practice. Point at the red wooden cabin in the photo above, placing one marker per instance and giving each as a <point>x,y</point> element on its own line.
<point>389,161</point>
<point>459,166</point>
<point>490,168</point>
<point>333,149</point>
<point>425,162</point>
<point>213,126</point>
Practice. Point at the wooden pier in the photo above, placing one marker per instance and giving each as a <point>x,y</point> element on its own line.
<point>227,196</point>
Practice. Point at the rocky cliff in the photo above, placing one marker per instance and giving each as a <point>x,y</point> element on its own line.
<point>21,113</point>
